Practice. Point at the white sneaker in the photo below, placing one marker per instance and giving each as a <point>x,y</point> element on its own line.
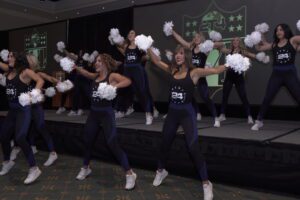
<point>155,113</point>
<point>60,110</point>
<point>72,113</point>
<point>80,112</point>
<point>250,120</point>
<point>84,172</point>
<point>33,174</point>
<point>51,159</point>
<point>208,191</point>
<point>130,181</point>
<point>258,124</point>
<point>14,152</point>
<point>6,167</point>
<point>165,116</point>
<point>12,143</point>
<point>119,114</point>
<point>217,123</point>
<point>149,119</point>
<point>199,117</point>
<point>222,117</point>
<point>159,177</point>
<point>34,150</point>
<point>129,111</point>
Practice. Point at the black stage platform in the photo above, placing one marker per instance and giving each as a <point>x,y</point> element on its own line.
<point>267,159</point>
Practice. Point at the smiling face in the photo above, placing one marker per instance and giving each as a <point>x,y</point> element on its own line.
<point>131,35</point>
<point>11,59</point>
<point>100,64</point>
<point>236,42</point>
<point>280,32</point>
<point>180,56</point>
<point>198,38</point>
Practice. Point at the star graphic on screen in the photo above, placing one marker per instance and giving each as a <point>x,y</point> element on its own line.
<point>231,18</point>
<point>239,28</point>
<point>239,17</point>
<point>195,23</point>
<point>188,24</point>
<point>231,28</point>
<point>187,34</point>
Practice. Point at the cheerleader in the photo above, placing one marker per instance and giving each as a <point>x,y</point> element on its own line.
<point>182,113</point>
<point>284,71</point>
<point>102,113</point>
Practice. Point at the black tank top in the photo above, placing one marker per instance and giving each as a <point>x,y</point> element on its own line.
<point>198,59</point>
<point>133,56</point>
<point>182,90</point>
<point>14,88</point>
<point>284,55</point>
<point>96,101</point>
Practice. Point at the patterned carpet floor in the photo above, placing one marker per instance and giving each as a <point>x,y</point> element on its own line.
<point>107,182</point>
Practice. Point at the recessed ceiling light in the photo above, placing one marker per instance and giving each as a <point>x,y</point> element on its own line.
<point>77,12</point>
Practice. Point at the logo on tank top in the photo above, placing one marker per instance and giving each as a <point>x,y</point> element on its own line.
<point>196,61</point>
<point>96,95</point>
<point>131,57</point>
<point>178,95</point>
<point>283,56</point>
<point>11,91</point>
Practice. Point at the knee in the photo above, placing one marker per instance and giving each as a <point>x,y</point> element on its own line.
<point>21,139</point>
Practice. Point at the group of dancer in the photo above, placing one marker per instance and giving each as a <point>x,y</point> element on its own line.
<point>187,71</point>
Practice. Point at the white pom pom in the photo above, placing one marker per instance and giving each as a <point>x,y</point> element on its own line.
<point>169,55</point>
<point>115,37</point>
<point>86,57</point>
<point>215,36</point>
<point>2,80</point>
<point>266,59</point>
<point>95,53</point>
<point>36,96</point>
<point>91,59</point>
<point>298,25</point>
<point>61,46</point>
<point>111,41</point>
<point>67,64</point>
<point>262,28</point>
<point>260,56</point>
<point>206,46</point>
<point>50,92</point>
<point>143,42</point>
<point>255,37</point>
<point>168,28</point>
<point>118,40</point>
<point>24,99</point>
<point>248,42</point>
<point>106,91</point>
<point>156,52</point>
<point>238,63</point>
<point>114,32</point>
<point>69,84</point>
<point>57,58</point>
<point>61,87</point>
<point>4,55</point>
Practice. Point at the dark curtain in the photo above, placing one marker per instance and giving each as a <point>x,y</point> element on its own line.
<point>3,45</point>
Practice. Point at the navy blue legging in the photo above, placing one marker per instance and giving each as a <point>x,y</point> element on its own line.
<point>239,82</point>
<point>136,73</point>
<point>17,118</point>
<point>185,116</point>
<point>280,78</point>
<point>203,91</point>
<point>38,122</point>
<point>82,88</point>
<point>105,117</point>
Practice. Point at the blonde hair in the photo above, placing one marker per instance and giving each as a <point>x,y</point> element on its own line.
<point>109,62</point>
<point>34,63</point>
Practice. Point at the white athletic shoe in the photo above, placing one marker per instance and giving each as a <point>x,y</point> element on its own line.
<point>119,114</point>
<point>155,113</point>
<point>250,120</point>
<point>208,191</point>
<point>34,150</point>
<point>14,152</point>
<point>33,174</point>
<point>60,110</point>
<point>222,117</point>
<point>72,113</point>
<point>51,159</point>
<point>165,116</point>
<point>149,118</point>
<point>130,181</point>
<point>258,125</point>
<point>129,111</point>
<point>217,123</point>
<point>84,172</point>
<point>80,112</point>
<point>199,116</point>
<point>6,167</point>
<point>159,177</point>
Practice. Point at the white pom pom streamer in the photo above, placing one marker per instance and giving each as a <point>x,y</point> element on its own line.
<point>266,60</point>
<point>206,46</point>
<point>4,55</point>
<point>118,40</point>
<point>24,99</point>
<point>106,91</point>
<point>156,52</point>
<point>298,25</point>
<point>61,46</point>
<point>169,55</point>
<point>57,58</point>
<point>262,28</point>
<point>95,53</point>
<point>67,64</point>
<point>36,96</point>
<point>50,92</point>
<point>143,42</point>
<point>248,42</point>
<point>86,57</point>
<point>168,28</point>
<point>115,37</point>
<point>111,41</point>
<point>114,32</point>
<point>237,62</point>
<point>91,58</point>
<point>260,56</point>
<point>69,84</point>
<point>2,80</point>
<point>215,36</point>
<point>61,87</point>
<point>253,39</point>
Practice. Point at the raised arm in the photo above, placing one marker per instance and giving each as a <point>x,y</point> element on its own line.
<point>154,58</point>
<point>221,47</point>
<point>180,40</point>
<point>201,72</point>
<point>264,45</point>
<point>71,55</point>
<point>86,73</point>
<point>4,66</point>
<point>295,41</point>
<point>248,54</point>
<point>48,77</point>
<point>39,82</point>
<point>119,81</point>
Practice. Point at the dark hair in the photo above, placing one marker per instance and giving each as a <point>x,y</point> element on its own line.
<point>109,62</point>
<point>288,34</point>
<point>187,60</point>
<point>21,63</point>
